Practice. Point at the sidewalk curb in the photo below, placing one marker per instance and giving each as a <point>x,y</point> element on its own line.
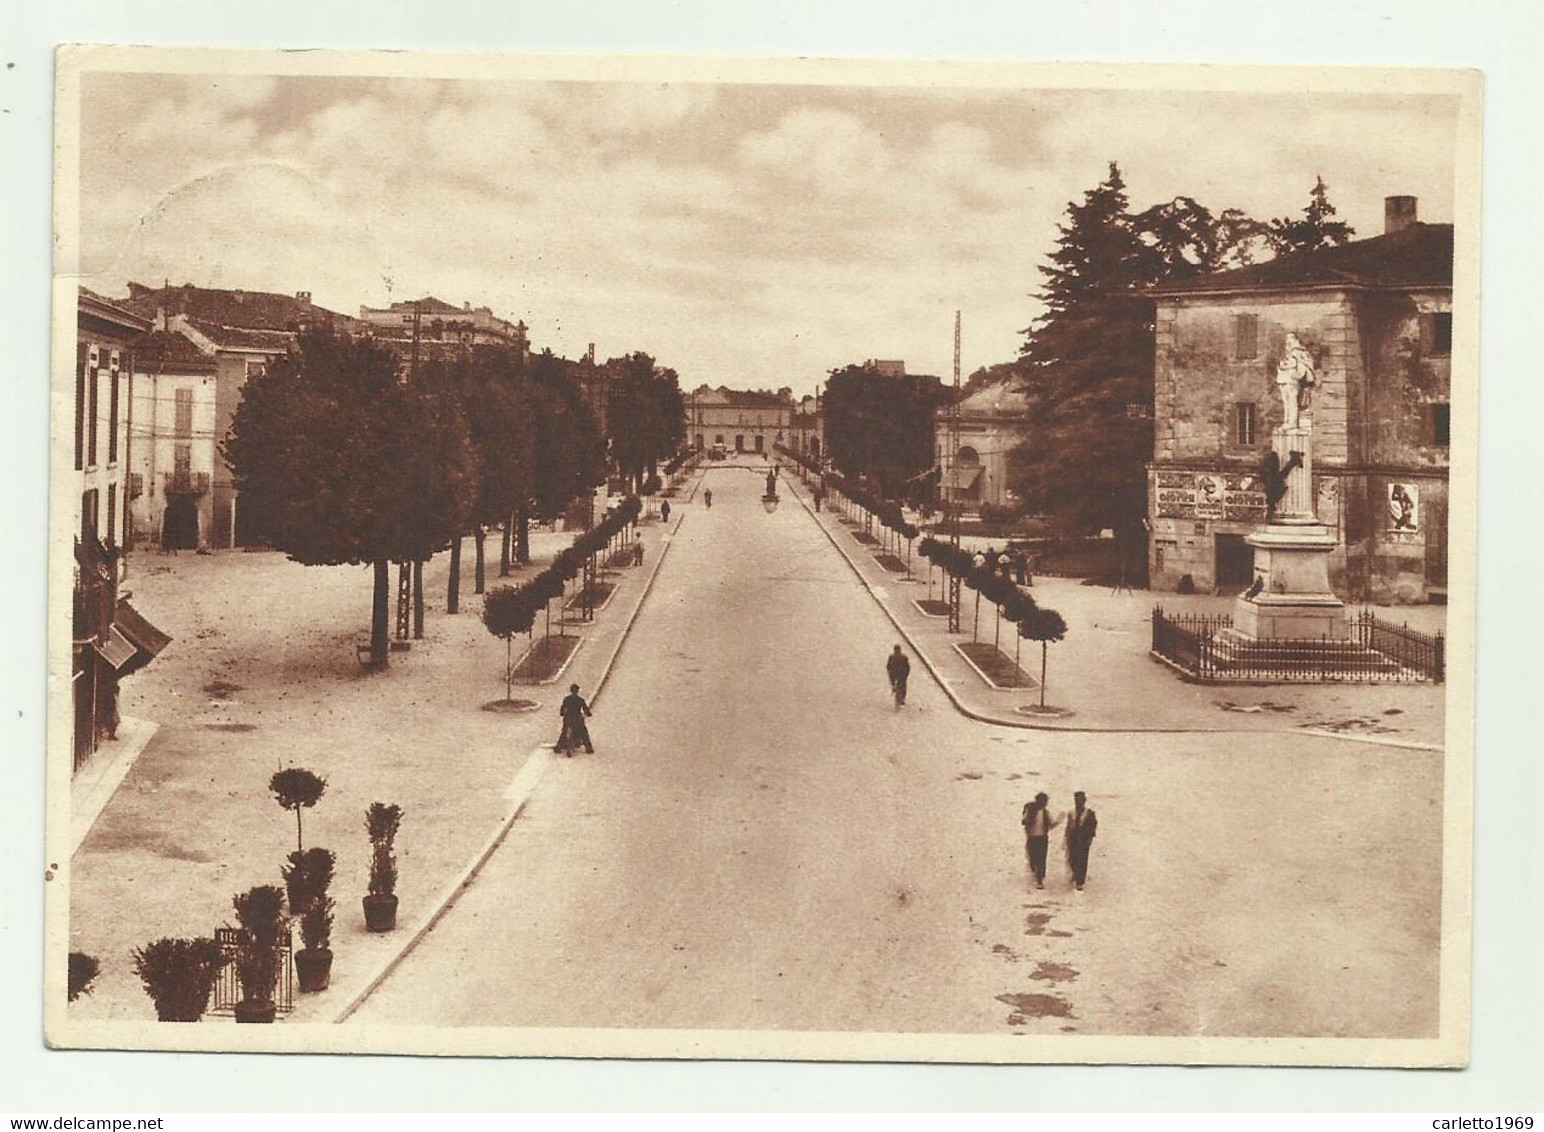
<point>1082,729</point>
<point>88,804</point>
<point>519,792</point>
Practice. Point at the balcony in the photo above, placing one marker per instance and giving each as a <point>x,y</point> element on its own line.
<point>185,483</point>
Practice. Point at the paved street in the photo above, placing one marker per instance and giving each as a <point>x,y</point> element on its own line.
<point>762,842</point>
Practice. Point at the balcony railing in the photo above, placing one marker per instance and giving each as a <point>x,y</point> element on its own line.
<point>185,483</point>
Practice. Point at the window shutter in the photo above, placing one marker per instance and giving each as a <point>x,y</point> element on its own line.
<point>1428,334</point>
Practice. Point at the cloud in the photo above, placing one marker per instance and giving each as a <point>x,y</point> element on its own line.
<point>744,235</point>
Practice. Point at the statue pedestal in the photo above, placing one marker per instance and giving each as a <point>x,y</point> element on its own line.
<point>1292,560</point>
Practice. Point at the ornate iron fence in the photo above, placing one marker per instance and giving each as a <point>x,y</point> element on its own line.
<point>227,987</point>
<point>1375,651</point>
<point>1424,652</point>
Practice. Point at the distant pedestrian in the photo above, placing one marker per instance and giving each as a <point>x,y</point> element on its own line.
<point>664,511</point>
<point>898,668</point>
<point>1038,823</point>
<point>820,497</point>
<point>707,498</point>
<point>574,711</point>
<point>1021,568</point>
<point>1081,825</point>
<point>638,548</point>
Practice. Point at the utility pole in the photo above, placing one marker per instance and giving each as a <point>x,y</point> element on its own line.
<point>408,570</point>
<point>950,501</point>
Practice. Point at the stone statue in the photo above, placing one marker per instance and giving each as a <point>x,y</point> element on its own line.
<point>1295,377</point>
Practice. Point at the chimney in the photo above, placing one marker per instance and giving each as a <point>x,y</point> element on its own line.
<point>1398,214</point>
<point>304,297</point>
<point>466,305</point>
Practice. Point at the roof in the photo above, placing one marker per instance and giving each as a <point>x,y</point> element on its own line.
<point>428,305</point>
<point>247,310</point>
<point>1417,257</point>
<point>168,350</point>
<point>1004,398</point>
<point>737,398</point>
<point>239,338</point>
<point>113,311</point>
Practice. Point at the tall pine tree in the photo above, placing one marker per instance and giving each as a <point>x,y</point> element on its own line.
<point>1317,228</point>
<point>1088,364</point>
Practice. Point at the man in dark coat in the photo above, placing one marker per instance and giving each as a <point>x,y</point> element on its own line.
<point>664,511</point>
<point>573,712</point>
<point>898,668</point>
<point>1081,825</point>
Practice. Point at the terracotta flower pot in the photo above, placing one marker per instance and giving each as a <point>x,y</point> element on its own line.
<point>381,912</point>
<point>258,1010</point>
<point>313,968</point>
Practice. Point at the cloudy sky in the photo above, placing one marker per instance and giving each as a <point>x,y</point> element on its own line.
<point>748,235</point>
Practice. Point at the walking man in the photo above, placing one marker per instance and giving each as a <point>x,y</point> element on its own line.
<point>1082,823</point>
<point>707,497</point>
<point>664,511</point>
<point>899,670</point>
<point>1038,823</point>
<point>637,548</point>
<point>574,712</point>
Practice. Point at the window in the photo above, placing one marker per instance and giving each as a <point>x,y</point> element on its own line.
<point>1439,424</point>
<point>82,361</point>
<point>760,441</point>
<point>88,514</point>
<point>1246,337</point>
<point>112,421</point>
<point>182,425</point>
<point>968,457</point>
<point>1244,432</point>
<point>1437,334</point>
<point>182,464</point>
<point>112,515</point>
<point>92,383</point>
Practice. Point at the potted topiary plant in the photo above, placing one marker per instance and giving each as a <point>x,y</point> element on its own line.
<point>260,912</point>
<point>297,789</point>
<point>381,822</point>
<point>83,972</point>
<point>307,878</point>
<point>178,975</point>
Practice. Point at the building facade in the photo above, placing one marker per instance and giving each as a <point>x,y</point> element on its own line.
<point>1376,318</point>
<point>175,433</point>
<point>109,639</point>
<point>740,420</point>
<point>993,421</point>
<point>440,322</point>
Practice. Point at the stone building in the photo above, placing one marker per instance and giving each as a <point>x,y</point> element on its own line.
<point>993,421</point>
<point>242,331</point>
<point>442,324</point>
<point>1376,317</point>
<point>740,420</point>
<point>175,441</point>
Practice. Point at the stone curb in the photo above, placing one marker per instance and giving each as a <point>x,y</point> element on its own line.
<point>518,793</point>
<point>1086,729</point>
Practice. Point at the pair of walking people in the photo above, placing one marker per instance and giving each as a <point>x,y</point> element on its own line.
<point>1079,825</point>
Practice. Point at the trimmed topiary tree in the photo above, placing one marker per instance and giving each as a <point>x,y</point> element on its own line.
<point>1047,627</point>
<point>297,789</point>
<point>506,612</point>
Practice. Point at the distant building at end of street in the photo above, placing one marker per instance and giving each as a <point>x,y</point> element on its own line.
<point>1376,317</point>
<point>740,420</point>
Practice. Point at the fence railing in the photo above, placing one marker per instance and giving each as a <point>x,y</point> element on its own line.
<point>227,987</point>
<point>1376,650</point>
<point>1424,652</point>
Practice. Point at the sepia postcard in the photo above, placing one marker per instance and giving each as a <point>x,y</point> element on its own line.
<point>786,559</point>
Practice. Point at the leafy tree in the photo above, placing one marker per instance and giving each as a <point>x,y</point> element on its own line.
<point>1317,228</point>
<point>341,463</point>
<point>881,427</point>
<point>1184,237</point>
<point>567,456</point>
<point>1088,365</point>
<point>986,376</point>
<point>507,611</point>
<point>645,415</point>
